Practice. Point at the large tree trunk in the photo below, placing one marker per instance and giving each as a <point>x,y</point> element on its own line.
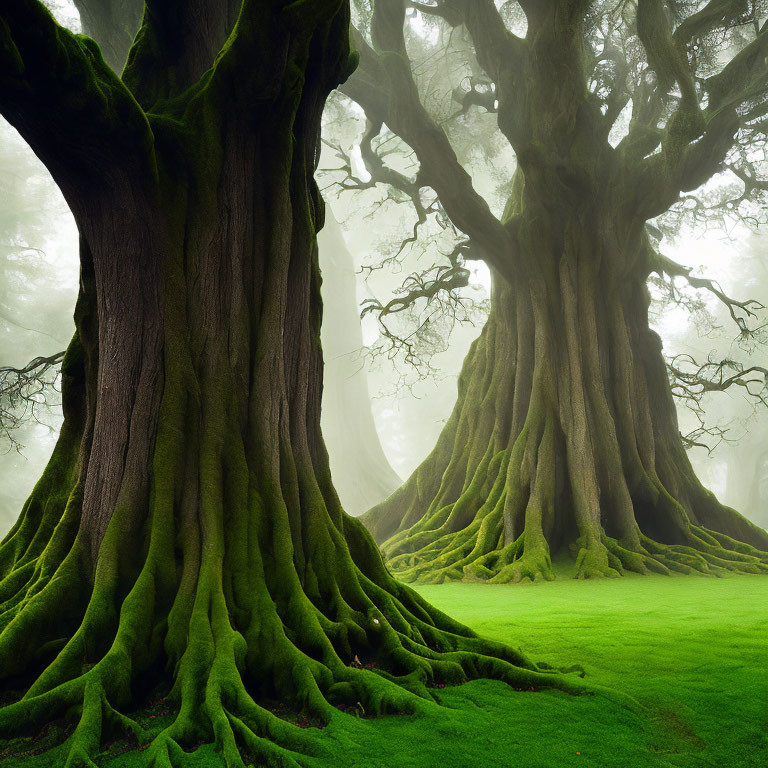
<point>186,540</point>
<point>564,437</point>
<point>361,473</point>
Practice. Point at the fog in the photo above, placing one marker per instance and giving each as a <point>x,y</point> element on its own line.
<point>408,406</point>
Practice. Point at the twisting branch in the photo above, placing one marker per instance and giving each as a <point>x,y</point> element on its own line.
<point>384,87</point>
<point>706,104</point>
<point>749,178</point>
<point>740,311</point>
<point>24,391</point>
<point>694,438</point>
<point>498,50</point>
<point>429,324</point>
<point>423,285</point>
<point>714,15</point>
<point>691,381</point>
<point>399,187</point>
<point>696,380</point>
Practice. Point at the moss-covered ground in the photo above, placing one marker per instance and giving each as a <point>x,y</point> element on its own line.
<point>692,651</point>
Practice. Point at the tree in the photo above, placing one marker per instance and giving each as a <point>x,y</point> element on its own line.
<point>186,529</point>
<point>564,435</point>
<point>360,470</point>
<point>731,430</point>
<point>747,476</point>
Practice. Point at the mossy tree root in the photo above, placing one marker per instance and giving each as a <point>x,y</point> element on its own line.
<point>547,451</point>
<point>234,625</point>
<point>186,540</point>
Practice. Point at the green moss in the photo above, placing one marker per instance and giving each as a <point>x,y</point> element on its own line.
<point>690,651</point>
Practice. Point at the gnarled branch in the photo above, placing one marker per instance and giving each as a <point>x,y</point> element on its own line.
<point>740,311</point>
<point>23,391</point>
<point>384,87</point>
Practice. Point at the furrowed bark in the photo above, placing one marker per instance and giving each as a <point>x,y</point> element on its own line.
<point>564,441</point>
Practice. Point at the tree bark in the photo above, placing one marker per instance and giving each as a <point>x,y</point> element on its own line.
<point>564,436</point>
<point>185,540</point>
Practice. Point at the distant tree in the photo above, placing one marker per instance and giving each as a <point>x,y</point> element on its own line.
<point>185,540</point>
<point>565,435</point>
<point>746,476</point>
<point>28,213</point>
<point>722,382</point>
<point>32,263</point>
<point>361,472</point>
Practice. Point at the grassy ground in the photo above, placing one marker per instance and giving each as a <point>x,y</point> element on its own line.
<point>693,651</point>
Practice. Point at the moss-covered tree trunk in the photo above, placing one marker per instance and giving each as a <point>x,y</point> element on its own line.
<point>185,538</point>
<point>563,440</point>
<point>565,435</point>
<point>362,475</point>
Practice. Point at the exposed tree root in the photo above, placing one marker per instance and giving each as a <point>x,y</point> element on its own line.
<point>543,455</point>
<point>237,624</point>
<point>472,554</point>
<point>468,555</point>
<point>302,655</point>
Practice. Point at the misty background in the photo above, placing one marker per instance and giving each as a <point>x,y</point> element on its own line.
<point>381,413</point>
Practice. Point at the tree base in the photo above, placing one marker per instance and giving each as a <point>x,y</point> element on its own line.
<point>370,645</point>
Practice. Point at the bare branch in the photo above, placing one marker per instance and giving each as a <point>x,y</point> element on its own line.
<point>740,311</point>
<point>431,305</point>
<point>692,380</point>
<point>694,438</point>
<point>424,285</point>
<point>24,391</point>
<point>385,88</point>
<point>498,50</point>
